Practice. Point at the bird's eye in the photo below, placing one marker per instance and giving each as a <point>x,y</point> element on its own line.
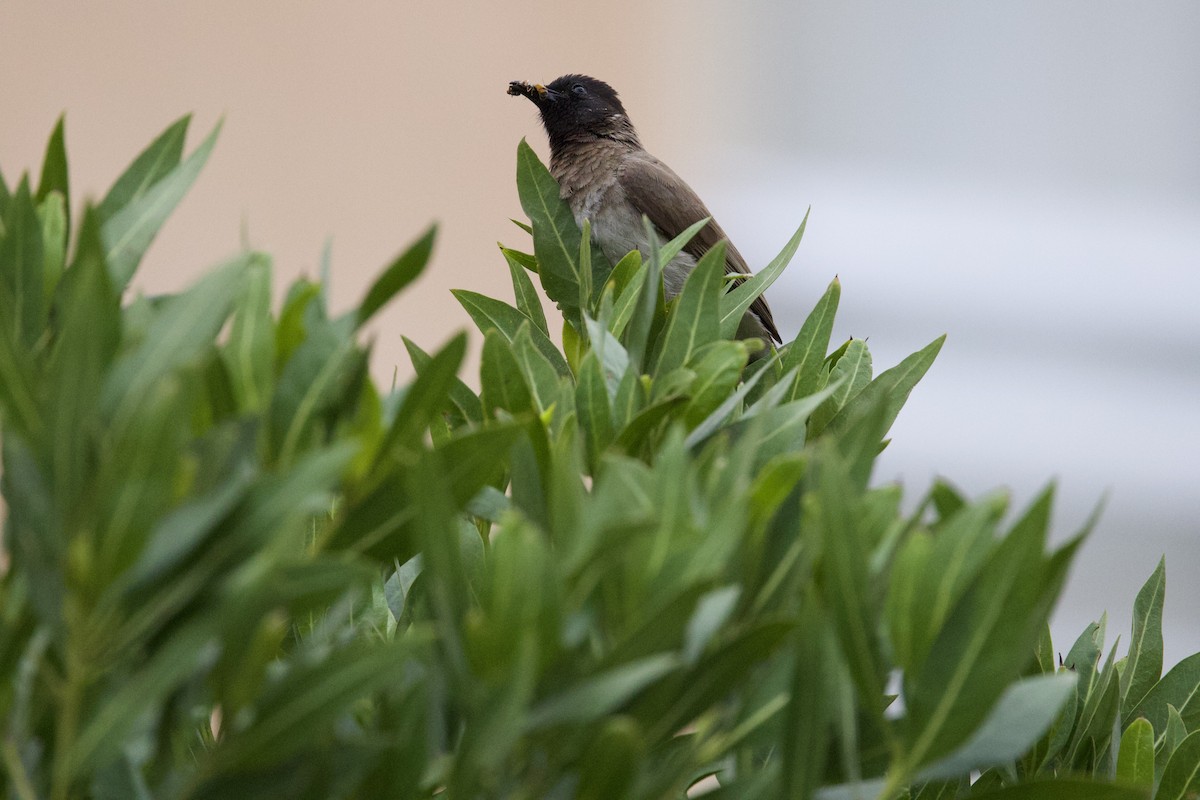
<point>579,90</point>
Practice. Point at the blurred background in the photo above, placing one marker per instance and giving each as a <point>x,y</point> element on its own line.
<point>1022,176</point>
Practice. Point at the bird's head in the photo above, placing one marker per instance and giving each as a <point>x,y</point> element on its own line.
<point>576,107</point>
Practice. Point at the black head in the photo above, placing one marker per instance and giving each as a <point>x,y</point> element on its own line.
<point>577,107</point>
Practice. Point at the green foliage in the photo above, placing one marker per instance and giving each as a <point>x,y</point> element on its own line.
<point>237,567</point>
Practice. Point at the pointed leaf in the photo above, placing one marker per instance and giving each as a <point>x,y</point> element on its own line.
<point>1144,667</point>
<point>129,232</point>
<point>152,165</point>
<point>528,301</point>
<point>806,353</point>
<point>54,172</point>
<point>737,301</point>
<point>1181,778</point>
<point>403,270</point>
<point>491,314</point>
<point>1135,761</point>
<point>693,320</point>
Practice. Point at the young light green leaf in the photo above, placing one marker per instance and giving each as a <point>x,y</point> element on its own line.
<point>53,214</point>
<point>403,270</point>
<point>594,409</point>
<point>1144,667</point>
<point>1135,760</point>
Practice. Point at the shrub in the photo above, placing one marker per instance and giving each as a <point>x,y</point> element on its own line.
<point>239,569</point>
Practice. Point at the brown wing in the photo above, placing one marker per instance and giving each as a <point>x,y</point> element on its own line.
<point>656,191</point>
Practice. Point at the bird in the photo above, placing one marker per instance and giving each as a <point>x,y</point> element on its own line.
<point>607,177</point>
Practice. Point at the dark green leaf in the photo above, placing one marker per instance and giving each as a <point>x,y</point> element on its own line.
<point>464,400</point>
<point>894,384</point>
<point>594,410</point>
<point>503,385</point>
<point>1065,789</point>
<point>424,399</point>
<point>600,694</point>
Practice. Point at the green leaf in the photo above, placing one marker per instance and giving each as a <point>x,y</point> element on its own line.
<point>556,237</point>
<point>1144,667</point>
<point>987,637</point>
<point>1176,732</point>
<point>182,328</point>
<point>249,353</point>
<point>151,166</point>
<point>600,694</point>
<point>737,301</point>
<point>1135,761</point>
<point>1181,778</point>
<point>806,731</point>
<point>311,384</point>
<point>693,321</point>
<point>611,354</point>
<point>129,232</point>
<point>53,215</point>
<point>649,304</point>
<point>55,174</point>
<point>1024,712</point>
<point>528,301</point>
<point>854,371</point>
<point>1065,789</point>
<point>893,385</point>
<point>846,583</point>
<point>490,314</point>
<point>594,410</point>
<point>426,396</point>
<point>1180,687</point>
<point>806,353</point>
<point>403,270</point>
<point>463,398</point>
<point>718,367</point>
<point>503,386</point>
<point>712,612</point>
<point>611,763</point>
<point>88,311</point>
<point>714,420</point>
<point>540,375</point>
<point>22,284</point>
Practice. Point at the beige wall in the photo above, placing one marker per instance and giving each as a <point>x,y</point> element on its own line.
<point>360,121</point>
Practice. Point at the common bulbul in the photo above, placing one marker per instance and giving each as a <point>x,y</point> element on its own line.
<point>606,176</point>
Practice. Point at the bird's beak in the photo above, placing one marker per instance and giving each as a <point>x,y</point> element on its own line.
<point>534,91</point>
